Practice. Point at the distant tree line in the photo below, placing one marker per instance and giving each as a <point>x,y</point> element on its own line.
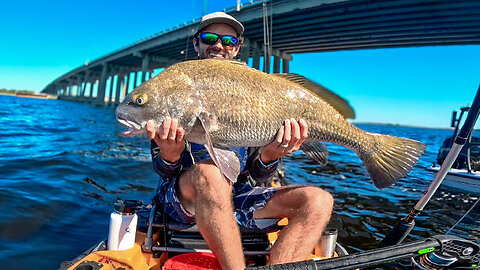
<point>11,91</point>
<point>25,93</point>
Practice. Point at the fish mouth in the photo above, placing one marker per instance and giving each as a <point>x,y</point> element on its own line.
<point>133,127</point>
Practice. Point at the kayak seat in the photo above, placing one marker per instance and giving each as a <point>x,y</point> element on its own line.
<point>173,225</point>
<point>174,235</point>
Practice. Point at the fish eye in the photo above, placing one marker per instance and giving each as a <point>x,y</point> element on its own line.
<point>141,99</point>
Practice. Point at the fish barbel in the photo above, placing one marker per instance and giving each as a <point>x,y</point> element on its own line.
<point>224,104</point>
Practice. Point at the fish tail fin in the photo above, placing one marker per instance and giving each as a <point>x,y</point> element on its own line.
<point>392,160</point>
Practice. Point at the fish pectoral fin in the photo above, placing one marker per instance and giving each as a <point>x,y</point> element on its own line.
<point>226,160</point>
<point>316,151</point>
<point>209,121</point>
<point>220,146</point>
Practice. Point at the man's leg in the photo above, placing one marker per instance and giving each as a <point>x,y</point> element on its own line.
<point>204,192</point>
<point>308,210</point>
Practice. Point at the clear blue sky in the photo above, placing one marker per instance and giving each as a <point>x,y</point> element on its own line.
<point>41,40</point>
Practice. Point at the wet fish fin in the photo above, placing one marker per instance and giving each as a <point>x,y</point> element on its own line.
<point>394,158</point>
<point>316,151</point>
<point>226,160</point>
<point>337,102</point>
<point>220,146</point>
<point>235,62</point>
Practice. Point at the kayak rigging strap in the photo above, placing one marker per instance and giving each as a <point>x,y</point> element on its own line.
<point>164,221</point>
<point>464,215</point>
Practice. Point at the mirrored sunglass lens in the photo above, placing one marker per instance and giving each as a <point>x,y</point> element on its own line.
<point>209,38</point>
<point>229,41</point>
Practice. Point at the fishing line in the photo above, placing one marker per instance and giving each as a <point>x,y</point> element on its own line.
<point>189,149</point>
<point>464,215</point>
<point>271,27</point>
<point>266,34</point>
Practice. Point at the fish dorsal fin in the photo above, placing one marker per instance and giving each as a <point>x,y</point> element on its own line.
<point>235,62</point>
<point>337,102</point>
<point>226,160</point>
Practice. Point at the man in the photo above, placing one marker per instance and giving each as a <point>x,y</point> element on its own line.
<point>194,190</point>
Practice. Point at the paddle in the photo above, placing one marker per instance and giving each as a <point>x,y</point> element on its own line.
<point>404,226</point>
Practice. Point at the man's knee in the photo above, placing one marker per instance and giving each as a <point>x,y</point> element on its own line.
<point>317,201</point>
<point>207,174</point>
<point>203,177</point>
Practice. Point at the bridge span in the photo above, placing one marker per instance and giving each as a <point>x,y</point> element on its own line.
<point>294,26</point>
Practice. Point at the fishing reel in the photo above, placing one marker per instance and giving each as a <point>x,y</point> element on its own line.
<point>452,254</point>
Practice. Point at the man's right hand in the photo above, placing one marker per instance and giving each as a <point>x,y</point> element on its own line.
<point>169,139</point>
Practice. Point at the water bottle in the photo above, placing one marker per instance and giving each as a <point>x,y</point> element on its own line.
<point>328,242</point>
<point>123,225</point>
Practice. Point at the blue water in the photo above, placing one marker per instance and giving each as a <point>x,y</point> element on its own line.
<point>63,164</point>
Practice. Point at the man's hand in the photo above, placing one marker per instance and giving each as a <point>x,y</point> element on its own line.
<point>288,140</point>
<point>169,139</point>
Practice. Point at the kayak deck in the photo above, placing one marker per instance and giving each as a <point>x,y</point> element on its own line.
<point>166,243</point>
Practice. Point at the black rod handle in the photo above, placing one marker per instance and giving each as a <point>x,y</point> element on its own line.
<point>305,265</point>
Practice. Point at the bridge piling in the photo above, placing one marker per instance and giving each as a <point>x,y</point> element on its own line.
<point>276,64</point>
<point>285,65</point>
<point>111,88</point>
<point>245,51</point>
<point>256,56</point>
<point>135,79</point>
<point>145,63</point>
<point>102,85</point>
<point>87,74</point>
<point>266,59</point>
<point>126,85</point>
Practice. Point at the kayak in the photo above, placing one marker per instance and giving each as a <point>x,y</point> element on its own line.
<point>164,244</point>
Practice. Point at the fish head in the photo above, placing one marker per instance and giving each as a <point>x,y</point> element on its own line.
<point>138,107</point>
<point>167,94</point>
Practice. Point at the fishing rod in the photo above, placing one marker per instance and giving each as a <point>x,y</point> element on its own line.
<point>404,226</point>
<point>462,254</point>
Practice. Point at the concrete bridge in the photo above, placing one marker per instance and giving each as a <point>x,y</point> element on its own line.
<point>299,26</point>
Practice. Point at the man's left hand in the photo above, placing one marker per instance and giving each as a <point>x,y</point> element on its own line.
<point>288,140</point>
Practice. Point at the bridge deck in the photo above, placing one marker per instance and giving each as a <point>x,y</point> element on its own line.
<point>301,27</point>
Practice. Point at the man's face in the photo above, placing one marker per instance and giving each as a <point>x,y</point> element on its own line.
<point>217,50</point>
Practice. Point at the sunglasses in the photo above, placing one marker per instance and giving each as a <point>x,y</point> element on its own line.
<point>211,39</point>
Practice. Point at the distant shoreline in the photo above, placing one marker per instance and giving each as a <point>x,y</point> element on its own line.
<point>29,95</point>
<point>400,125</point>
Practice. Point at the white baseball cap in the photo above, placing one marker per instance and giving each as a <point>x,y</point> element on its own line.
<point>221,17</point>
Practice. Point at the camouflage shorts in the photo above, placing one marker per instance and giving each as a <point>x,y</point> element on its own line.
<point>246,200</point>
